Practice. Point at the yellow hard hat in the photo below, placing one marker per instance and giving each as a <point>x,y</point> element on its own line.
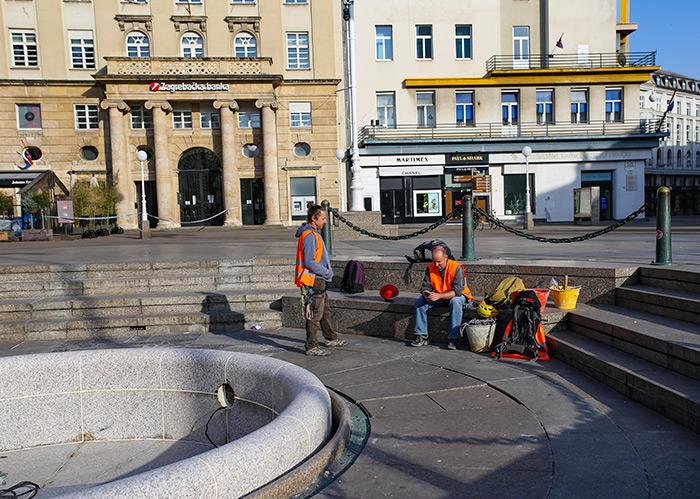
<point>485,310</point>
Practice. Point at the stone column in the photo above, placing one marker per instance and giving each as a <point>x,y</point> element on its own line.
<point>121,174</point>
<point>270,164</point>
<point>231,180</point>
<point>164,175</point>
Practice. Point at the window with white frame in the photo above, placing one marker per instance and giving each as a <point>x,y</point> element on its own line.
<point>299,114</point>
<point>209,118</point>
<point>141,118</point>
<point>688,137</point>
<point>613,105</point>
<point>248,119</point>
<point>134,1</point>
<point>82,48</point>
<point>294,1</point>
<point>29,116</point>
<point>192,45</point>
<point>697,110</point>
<point>137,45</point>
<point>425,109</point>
<point>463,41</point>
<point>545,106</point>
<point>688,108</point>
<point>464,108</point>
<point>24,48</point>
<point>87,117</point>
<point>182,118</point>
<point>510,108</point>
<point>245,45</point>
<point>298,51</point>
<point>386,109</point>
<point>243,1</point>
<point>384,43</point>
<point>188,1</point>
<point>679,137</point>
<point>424,41</point>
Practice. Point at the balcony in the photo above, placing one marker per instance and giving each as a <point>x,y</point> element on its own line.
<point>585,61</point>
<point>185,66</point>
<point>480,131</point>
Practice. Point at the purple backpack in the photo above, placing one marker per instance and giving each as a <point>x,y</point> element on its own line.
<point>353,278</point>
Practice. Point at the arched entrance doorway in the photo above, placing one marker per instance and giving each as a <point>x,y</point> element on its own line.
<point>200,194</point>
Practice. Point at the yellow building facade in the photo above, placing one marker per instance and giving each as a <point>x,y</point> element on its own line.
<point>234,102</point>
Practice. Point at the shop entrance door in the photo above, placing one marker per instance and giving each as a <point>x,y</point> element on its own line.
<point>252,200</point>
<point>200,193</point>
<point>393,207</point>
<point>604,181</point>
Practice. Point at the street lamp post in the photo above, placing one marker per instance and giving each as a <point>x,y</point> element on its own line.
<point>142,156</point>
<point>527,219</point>
<point>356,201</point>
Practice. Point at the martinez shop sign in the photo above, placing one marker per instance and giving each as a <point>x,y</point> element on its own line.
<point>188,87</point>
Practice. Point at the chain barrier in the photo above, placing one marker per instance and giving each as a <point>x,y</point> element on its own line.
<point>395,238</point>
<point>91,218</point>
<point>191,221</point>
<point>557,240</point>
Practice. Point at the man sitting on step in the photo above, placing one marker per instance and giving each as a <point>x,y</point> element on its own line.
<point>444,285</point>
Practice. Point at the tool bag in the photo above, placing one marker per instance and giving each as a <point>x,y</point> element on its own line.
<point>499,296</point>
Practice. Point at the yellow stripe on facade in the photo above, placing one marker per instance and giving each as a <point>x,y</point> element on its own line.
<point>539,77</point>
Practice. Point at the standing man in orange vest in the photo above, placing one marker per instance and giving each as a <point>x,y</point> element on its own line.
<point>313,272</point>
<point>444,285</point>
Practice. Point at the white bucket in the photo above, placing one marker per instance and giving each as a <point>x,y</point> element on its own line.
<point>480,336</point>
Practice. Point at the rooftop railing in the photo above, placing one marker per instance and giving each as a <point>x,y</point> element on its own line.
<point>498,130</point>
<point>571,61</point>
<point>186,66</point>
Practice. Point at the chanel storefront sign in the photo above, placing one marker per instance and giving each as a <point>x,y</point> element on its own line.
<point>188,87</point>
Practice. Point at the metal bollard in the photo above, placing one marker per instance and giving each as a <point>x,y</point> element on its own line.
<point>663,227</point>
<point>326,230</point>
<point>467,229</point>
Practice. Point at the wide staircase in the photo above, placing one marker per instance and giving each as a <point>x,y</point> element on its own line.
<point>64,302</point>
<point>646,346</point>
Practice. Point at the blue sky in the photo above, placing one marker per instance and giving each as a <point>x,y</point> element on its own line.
<point>671,29</point>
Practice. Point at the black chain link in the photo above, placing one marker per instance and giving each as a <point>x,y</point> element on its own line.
<point>364,232</point>
<point>494,222</point>
<point>557,240</point>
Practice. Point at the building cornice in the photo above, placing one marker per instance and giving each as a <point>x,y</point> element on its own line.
<point>539,77</point>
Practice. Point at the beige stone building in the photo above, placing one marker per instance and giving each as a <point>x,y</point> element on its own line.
<point>451,91</point>
<point>234,102</point>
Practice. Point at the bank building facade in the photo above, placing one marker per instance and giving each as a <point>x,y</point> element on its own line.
<point>233,101</point>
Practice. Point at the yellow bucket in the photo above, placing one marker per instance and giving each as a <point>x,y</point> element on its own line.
<point>565,298</point>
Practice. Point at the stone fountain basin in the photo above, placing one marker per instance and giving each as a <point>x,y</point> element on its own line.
<point>157,396</point>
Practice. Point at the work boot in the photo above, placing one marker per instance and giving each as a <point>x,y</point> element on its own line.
<point>420,341</point>
<point>320,352</point>
<point>452,345</point>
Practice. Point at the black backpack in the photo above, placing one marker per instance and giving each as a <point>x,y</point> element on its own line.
<point>353,278</point>
<point>424,251</point>
<point>521,337</point>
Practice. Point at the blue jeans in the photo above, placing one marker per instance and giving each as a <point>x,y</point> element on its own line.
<point>422,305</point>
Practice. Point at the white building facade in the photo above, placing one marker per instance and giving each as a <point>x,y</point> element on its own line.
<point>449,93</point>
<point>676,162</point>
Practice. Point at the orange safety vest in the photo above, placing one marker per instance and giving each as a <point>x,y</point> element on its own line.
<point>303,276</point>
<point>441,286</point>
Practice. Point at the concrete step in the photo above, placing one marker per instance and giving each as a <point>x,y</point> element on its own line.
<point>137,325</point>
<point>146,284</point>
<point>368,314</point>
<point>138,304</point>
<point>670,278</point>
<point>672,303</point>
<point>671,394</point>
<point>153,269</point>
<point>668,343</point>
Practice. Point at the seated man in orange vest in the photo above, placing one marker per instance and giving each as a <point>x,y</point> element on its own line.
<point>444,285</point>
<point>313,272</point>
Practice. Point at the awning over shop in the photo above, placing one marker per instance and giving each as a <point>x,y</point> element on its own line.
<point>28,181</point>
